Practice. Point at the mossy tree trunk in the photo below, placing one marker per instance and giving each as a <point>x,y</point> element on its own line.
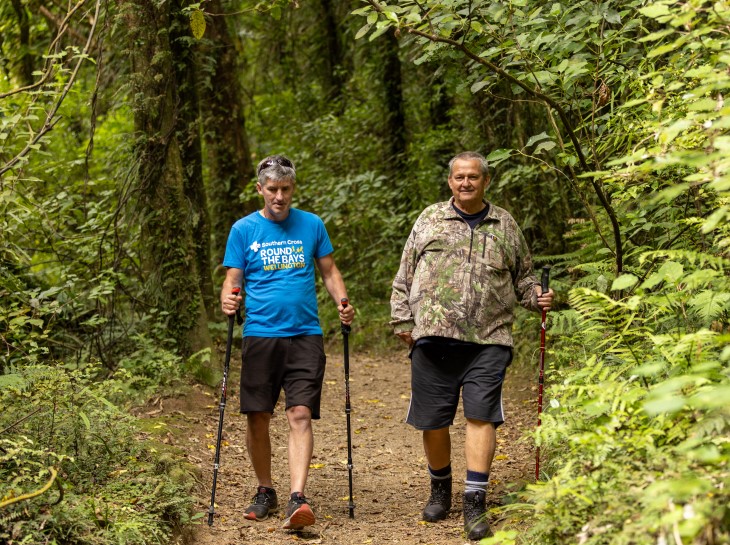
<point>167,250</point>
<point>188,125</point>
<point>228,154</point>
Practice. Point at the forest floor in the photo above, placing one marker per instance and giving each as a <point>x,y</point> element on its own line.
<point>389,475</point>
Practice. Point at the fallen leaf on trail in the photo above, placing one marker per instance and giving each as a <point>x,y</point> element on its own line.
<point>372,401</point>
<point>211,447</point>
<point>316,466</point>
<point>404,396</point>
<point>330,382</point>
<point>501,457</point>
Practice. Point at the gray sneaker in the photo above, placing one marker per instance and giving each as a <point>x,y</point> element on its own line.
<point>263,503</point>
<point>298,513</point>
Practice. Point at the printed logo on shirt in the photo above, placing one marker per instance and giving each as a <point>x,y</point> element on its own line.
<point>282,254</point>
<point>255,246</point>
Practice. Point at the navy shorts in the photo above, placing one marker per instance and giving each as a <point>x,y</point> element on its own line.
<point>441,371</point>
<point>270,364</point>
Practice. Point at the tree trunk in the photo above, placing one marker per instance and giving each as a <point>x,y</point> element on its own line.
<point>334,55</point>
<point>394,109</point>
<point>26,59</point>
<point>167,250</point>
<point>229,158</point>
<point>189,125</point>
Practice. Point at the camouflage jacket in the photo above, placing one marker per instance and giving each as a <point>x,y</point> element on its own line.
<point>462,284</point>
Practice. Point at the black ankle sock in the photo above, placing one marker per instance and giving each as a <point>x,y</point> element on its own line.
<point>442,473</point>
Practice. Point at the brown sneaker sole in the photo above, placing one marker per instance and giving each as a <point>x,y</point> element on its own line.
<point>300,518</point>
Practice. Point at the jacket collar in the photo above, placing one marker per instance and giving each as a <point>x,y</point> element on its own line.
<point>450,214</point>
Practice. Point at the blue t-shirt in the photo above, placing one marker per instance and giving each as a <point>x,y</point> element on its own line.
<point>277,260</point>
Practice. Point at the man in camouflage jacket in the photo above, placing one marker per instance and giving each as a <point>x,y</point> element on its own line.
<point>464,267</point>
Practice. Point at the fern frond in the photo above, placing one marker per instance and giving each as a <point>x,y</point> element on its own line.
<point>699,260</point>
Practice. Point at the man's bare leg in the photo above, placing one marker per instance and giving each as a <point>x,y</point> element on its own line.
<point>258,444</point>
<point>480,445</point>
<point>301,445</point>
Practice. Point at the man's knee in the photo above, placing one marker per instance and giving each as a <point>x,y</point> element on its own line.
<point>299,416</point>
<point>482,424</point>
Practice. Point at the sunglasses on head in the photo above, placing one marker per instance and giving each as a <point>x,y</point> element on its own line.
<point>281,161</point>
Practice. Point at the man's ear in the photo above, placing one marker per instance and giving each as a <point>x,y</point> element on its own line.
<point>259,188</point>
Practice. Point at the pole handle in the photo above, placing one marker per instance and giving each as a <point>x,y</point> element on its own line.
<point>239,318</point>
<point>345,328</point>
<point>545,280</point>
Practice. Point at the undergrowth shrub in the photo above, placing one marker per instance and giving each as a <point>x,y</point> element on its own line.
<point>637,426</point>
<point>74,468</point>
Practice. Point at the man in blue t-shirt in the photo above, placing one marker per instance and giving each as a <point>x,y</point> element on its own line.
<point>273,253</point>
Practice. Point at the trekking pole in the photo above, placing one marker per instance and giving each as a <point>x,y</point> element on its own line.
<point>222,407</point>
<point>544,281</point>
<point>348,409</point>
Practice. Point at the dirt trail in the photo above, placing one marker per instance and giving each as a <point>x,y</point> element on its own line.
<point>390,479</point>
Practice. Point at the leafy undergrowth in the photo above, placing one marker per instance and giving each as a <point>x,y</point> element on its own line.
<point>77,469</point>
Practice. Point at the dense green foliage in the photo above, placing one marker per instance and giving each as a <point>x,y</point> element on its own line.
<point>112,485</point>
<point>608,131</point>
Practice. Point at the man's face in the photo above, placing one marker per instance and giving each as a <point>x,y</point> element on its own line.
<point>468,185</point>
<point>277,196</point>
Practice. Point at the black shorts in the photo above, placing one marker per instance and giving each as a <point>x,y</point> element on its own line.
<point>441,371</point>
<point>295,364</point>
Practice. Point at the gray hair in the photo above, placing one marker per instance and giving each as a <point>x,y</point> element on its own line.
<point>276,167</point>
<point>470,156</point>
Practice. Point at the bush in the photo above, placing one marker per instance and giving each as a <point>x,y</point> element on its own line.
<point>100,483</point>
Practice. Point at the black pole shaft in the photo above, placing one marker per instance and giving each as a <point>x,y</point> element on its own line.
<point>544,283</point>
<point>348,408</point>
<point>221,410</point>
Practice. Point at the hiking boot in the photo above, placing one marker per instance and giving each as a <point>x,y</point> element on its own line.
<point>298,513</point>
<point>475,515</point>
<point>263,503</point>
<point>439,503</point>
